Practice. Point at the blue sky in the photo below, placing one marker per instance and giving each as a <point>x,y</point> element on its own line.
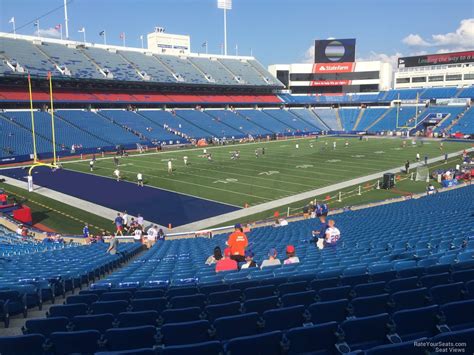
<point>278,31</point>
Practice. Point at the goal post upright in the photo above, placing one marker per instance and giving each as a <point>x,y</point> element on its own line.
<point>36,161</point>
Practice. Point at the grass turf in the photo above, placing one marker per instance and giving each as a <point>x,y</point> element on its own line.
<point>282,171</point>
<point>56,215</point>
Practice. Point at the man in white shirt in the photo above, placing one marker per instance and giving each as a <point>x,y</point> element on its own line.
<point>137,235</point>
<point>332,234</point>
<point>125,218</point>
<point>185,158</point>
<point>151,236</point>
<point>140,179</point>
<point>272,259</point>
<point>140,220</point>
<point>91,164</point>
<point>170,166</point>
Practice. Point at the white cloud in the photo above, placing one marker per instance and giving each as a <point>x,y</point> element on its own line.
<point>387,58</point>
<point>48,32</point>
<point>308,56</point>
<point>415,41</point>
<point>460,40</point>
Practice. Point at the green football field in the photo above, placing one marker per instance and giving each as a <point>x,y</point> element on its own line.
<point>283,170</point>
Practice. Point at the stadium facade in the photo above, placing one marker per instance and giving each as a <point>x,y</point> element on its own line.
<point>454,69</point>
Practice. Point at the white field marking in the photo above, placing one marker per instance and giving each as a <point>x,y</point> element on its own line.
<point>169,159</point>
<point>185,182</point>
<point>397,148</point>
<point>358,156</point>
<point>226,181</point>
<point>126,164</point>
<point>268,173</point>
<point>184,150</point>
<point>379,152</point>
<point>190,174</point>
<point>333,160</point>
<point>236,168</point>
<point>304,166</point>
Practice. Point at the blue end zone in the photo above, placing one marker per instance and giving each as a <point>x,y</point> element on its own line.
<point>153,204</point>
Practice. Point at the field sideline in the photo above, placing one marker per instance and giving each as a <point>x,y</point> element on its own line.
<point>282,171</point>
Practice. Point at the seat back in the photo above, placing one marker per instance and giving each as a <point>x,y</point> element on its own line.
<point>416,323</point>
<point>283,318</point>
<point>137,319</point>
<point>46,326</point>
<point>99,322</point>
<point>84,342</point>
<point>68,310</point>
<point>31,344</point>
<point>236,326</point>
<point>130,338</point>
<point>312,339</point>
<point>185,333</point>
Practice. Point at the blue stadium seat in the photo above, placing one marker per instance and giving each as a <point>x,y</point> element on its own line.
<point>116,296</point>
<point>181,315</point>
<point>402,284</point>
<point>298,298</point>
<point>196,332</point>
<point>236,326</point>
<point>261,305</point>
<point>398,348</point>
<point>181,291</point>
<point>284,318</point>
<point>334,293</point>
<point>365,332</point>
<point>84,342</point>
<point>323,312</point>
<point>137,319</point>
<point>370,289</point>
<point>99,322</point>
<point>206,348</point>
<point>317,285</point>
<point>222,310</point>
<point>292,287</point>
<point>370,305</point>
<point>442,294</point>
<point>31,344</point>
<point>259,292</point>
<point>314,339</point>
<point>149,304</point>
<point>470,289</point>
<point>458,337</point>
<point>416,323</point>
<point>410,299</point>
<point>434,279</point>
<point>224,296</point>
<point>68,310</point>
<point>458,315</point>
<point>197,300</point>
<point>130,338</point>
<point>46,326</point>
<point>263,344</point>
<point>109,307</point>
<point>141,294</point>
<point>87,299</point>
<point>463,275</point>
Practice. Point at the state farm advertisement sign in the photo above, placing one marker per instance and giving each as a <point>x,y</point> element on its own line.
<point>330,82</point>
<point>333,68</point>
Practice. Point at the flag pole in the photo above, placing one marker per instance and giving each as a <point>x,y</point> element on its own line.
<point>66,20</point>
<point>35,157</point>
<point>50,77</point>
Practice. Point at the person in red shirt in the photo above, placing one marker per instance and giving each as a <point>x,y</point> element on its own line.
<point>226,263</point>
<point>237,243</point>
<point>3,199</point>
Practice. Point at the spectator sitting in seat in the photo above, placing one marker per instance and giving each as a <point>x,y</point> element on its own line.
<point>214,258</point>
<point>272,259</point>
<point>226,263</point>
<point>249,262</point>
<point>332,234</point>
<point>291,254</point>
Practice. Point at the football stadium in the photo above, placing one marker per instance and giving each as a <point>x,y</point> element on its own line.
<point>163,198</point>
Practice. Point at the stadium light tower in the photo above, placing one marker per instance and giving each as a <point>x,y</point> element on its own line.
<point>225,5</point>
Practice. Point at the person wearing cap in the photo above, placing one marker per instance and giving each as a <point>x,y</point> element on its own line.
<point>272,259</point>
<point>249,262</point>
<point>226,263</point>
<point>291,254</point>
<point>237,243</point>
